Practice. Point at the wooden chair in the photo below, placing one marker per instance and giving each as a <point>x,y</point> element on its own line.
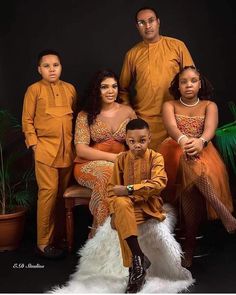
<point>74,195</point>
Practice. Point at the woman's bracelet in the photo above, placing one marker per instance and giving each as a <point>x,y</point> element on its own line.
<point>181,136</point>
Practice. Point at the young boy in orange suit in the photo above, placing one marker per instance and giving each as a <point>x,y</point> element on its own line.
<point>134,197</point>
<point>47,120</point>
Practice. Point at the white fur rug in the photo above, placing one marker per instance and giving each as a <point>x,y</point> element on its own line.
<point>100,269</point>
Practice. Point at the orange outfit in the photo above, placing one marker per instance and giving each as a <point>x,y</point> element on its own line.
<point>96,174</point>
<point>148,176</point>
<point>47,123</point>
<point>186,173</point>
<point>152,66</point>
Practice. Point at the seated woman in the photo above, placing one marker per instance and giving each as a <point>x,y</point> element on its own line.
<point>99,137</point>
<point>194,167</point>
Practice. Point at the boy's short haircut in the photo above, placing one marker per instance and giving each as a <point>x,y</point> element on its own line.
<point>47,52</point>
<point>137,124</point>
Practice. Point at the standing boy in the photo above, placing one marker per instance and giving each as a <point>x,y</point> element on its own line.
<point>134,189</point>
<point>47,118</point>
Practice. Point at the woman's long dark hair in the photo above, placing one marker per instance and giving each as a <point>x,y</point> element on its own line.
<point>205,92</point>
<point>91,102</point>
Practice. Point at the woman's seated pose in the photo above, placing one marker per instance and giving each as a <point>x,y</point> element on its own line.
<point>197,177</point>
<point>99,138</point>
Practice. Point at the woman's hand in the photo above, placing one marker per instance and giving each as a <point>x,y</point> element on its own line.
<point>112,157</point>
<point>193,146</point>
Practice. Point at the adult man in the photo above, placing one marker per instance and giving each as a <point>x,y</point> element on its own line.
<point>152,64</point>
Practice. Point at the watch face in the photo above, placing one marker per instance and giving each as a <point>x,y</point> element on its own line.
<point>130,189</point>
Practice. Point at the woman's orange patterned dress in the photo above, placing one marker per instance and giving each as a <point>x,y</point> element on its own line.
<point>95,174</point>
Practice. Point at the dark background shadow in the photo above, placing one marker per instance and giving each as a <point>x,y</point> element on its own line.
<point>96,34</point>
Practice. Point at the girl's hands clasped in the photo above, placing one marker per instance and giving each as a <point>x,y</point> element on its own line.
<point>193,146</point>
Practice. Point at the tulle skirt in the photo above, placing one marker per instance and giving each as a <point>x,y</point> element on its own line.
<point>185,173</point>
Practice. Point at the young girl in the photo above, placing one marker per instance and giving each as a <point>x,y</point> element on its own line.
<point>197,177</point>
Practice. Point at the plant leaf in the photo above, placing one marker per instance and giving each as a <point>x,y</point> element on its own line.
<point>226,143</point>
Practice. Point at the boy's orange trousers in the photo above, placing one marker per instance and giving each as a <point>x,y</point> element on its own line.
<point>127,216</point>
<point>52,182</point>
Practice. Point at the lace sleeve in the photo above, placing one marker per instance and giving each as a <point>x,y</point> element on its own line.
<point>82,130</point>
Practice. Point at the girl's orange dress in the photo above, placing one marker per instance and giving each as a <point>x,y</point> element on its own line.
<point>185,172</point>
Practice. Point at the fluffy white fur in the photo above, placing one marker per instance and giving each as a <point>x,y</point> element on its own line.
<point>100,269</point>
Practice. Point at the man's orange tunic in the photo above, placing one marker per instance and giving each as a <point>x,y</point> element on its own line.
<point>152,67</point>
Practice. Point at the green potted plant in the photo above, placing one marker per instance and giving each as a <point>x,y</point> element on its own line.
<point>226,140</point>
<point>16,182</point>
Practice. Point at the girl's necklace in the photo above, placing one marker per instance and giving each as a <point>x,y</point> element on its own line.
<point>189,105</point>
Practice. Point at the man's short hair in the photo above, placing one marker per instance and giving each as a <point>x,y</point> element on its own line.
<point>146,8</point>
<point>137,124</point>
<point>47,52</point>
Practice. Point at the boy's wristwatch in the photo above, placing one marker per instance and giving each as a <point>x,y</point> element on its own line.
<point>130,189</point>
